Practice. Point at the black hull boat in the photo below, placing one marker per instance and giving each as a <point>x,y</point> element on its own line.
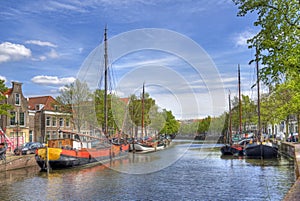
<point>264,151</point>
<point>232,150</point>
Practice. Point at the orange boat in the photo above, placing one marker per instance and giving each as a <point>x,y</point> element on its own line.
<point>74,151</point>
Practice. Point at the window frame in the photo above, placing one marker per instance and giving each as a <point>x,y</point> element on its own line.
<point>48,121</point>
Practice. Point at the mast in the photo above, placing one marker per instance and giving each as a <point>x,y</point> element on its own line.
<point>105,83</point>
<point>240,102</point>
<point>230,123</point>
<point>258,97</point>
<point>143,102</point>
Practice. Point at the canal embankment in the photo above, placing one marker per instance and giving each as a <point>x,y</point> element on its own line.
<point>293,150</point>
<point>13,162</point>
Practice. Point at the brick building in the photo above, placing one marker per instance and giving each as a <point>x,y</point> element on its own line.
<point>16,126</point>
<point>47,118</point>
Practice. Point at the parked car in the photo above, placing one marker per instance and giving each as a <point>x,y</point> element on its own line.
<point>28,148</point>
<point>293,137</point>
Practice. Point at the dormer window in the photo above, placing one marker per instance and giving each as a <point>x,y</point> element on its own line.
<point>56,107</point>
<point>17,99</point>
<point>39,107</point>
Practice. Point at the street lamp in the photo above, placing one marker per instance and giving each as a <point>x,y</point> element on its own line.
<point>17,133</point>
<point>18,151</point>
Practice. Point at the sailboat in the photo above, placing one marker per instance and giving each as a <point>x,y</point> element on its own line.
<point>145,144</point>
<point>76,149</point>
<point>234,147</point>
<point>260,149</point>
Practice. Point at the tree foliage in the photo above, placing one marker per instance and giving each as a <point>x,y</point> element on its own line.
<point>249,113</point>
<point>277,42</point>
<point>4,108</point>
<point>171,125</point>
<point>116,111</point>
<point>203,125</point>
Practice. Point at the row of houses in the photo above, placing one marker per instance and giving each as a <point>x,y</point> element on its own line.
<point>33,119</point>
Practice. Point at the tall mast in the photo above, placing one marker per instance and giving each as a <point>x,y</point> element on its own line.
<point>143,102</point>
<point>230,124</point>
<point>258,96</point>
<point>240,102</point>
<point>105,83</point>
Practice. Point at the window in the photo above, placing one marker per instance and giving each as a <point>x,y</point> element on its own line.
<point>54,135</point>
<point>56,107</point>
<point>47,121</point>
<point>30,136</point>
<point>12,118</point>
<point>61,122</point>
<point>53,121</point>
<point>67,122</point>
<point>48,137</point>
<point>22,119</point>
<point>17,99</point>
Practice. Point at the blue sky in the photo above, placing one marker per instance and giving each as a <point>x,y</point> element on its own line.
<point>44,45</point>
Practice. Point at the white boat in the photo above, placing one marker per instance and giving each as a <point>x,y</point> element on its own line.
<point>145,147</point>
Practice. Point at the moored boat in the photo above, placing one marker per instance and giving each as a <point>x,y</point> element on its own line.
<point>147,147</point>
<point>261,150</point>
<point>72,152</point>
<point>75,149</point>
<point>234,149</point>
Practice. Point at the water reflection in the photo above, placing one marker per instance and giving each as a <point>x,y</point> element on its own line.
<point>198,173</point>
<point>8,177</point>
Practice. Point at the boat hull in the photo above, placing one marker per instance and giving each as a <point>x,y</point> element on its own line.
<point>232,150</point>
<point>60,159</point>
<point>146,148</point>
<point>261,151</point>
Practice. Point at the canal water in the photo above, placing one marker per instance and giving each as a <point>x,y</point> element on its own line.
<point>184,171</point>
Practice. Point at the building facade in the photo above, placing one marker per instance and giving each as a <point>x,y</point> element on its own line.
<point>33,119</point>
<point>48,118</point>
<point>16,125</point>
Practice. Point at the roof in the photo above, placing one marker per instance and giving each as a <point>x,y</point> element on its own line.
<point>125,100</point>
<point>8,92</point>
<point>47,101</point>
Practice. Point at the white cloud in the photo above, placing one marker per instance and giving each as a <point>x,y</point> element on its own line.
<point>3,78</point>
<point>40,43</point>
<point>13,52</point>
<point>42,58</point>
<point>63,88</point>
<point>52,80</point>
<point>241,38</point>
<point>52,54</point>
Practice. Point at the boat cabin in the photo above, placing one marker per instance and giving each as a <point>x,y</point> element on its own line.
<point>70,144</point>
<point>71,140</point>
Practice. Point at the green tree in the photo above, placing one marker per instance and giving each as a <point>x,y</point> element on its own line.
<point>157,119</point>
<point>135,111</point>
<point>269,105</point>
<point>4,108</point>
<point>277,42</point>
<point>288,99</point>
<point>171,124</point>
<point>116,111</point>
<point>189,128</point>
<point>249,113</point>
<point>203,125</point>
